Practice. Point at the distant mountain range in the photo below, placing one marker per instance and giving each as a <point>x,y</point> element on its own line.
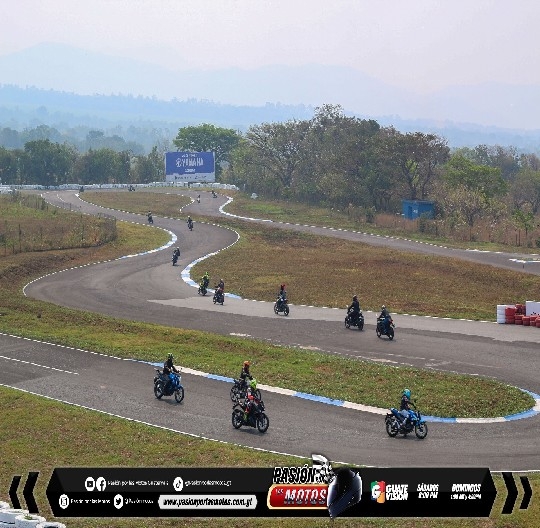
<point>55,84</point>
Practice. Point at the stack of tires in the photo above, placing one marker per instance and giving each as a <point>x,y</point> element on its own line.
<point>18,518</point>
<point>501,313</point>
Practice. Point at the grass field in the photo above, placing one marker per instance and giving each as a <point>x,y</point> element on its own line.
<point>38,435</point>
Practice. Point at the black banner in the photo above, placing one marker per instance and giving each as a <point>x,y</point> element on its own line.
<point>264,492</point>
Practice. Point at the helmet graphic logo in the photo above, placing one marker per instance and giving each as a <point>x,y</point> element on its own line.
<point>344,491</point>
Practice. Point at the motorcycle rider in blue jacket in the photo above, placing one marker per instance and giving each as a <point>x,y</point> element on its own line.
<point>404,406</point>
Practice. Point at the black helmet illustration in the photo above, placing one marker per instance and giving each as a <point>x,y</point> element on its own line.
<point>344,491</point>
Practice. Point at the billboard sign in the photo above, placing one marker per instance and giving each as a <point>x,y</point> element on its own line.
<point>190,166</point>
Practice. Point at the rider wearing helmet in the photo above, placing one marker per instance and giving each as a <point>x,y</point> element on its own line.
<point>282,295</point>
<point>385,316</point>
<point>205,280</point>
<point>404,406</point>
<point>354,309</point>
<point>176,253</point>
<point>245,374</point>
<point>250,398</point>
<point>169,367</point>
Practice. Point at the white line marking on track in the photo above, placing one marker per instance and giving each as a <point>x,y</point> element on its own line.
<point>38,365</point>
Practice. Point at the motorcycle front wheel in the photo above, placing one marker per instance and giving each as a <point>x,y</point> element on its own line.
<point>179,394</point>
<point>361,325</point>
<point>420,430</point>
<point>262,423</point>
<point>276,308</point>
<point>378,331</point>
<point>237,418</point>
<point>347,322</point>
<point>390,333</point>
<point>159,389</point>
<point>392,427</point>
<point>286,310</point>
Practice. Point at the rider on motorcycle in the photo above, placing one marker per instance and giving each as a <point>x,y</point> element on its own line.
<point>354,310</point>
<point>282,295</point>
<point>385,317</point>
<point>189,221</point>
<point>245,374</point>
<point>169,367</point>
<point>250,398</point>
<point>176,253</point>
<point>404,406</point>
<point>205,280</point>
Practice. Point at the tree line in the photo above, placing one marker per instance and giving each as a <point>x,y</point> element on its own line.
<point>330,159</point>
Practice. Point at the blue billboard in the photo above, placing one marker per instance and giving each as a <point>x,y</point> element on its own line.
<point>190,166</point>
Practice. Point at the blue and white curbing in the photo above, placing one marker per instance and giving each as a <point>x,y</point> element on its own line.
<point>368,408</point>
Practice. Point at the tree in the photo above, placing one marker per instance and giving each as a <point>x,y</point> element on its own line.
<point>208,138</point>
<point>485,180</point>
<point>525,189</point>
<point>48,163</point>
<point>471,191</point>
<point>278,149</point>
<point>417,156</point>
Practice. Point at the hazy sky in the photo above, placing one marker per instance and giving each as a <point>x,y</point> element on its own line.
<point>422,45</point>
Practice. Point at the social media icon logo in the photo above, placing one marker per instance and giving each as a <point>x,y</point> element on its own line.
<point>118,501</point>
<point>89,484</point>
<point>101,484</point>
<point>178,484</point>
<point>63,501</point>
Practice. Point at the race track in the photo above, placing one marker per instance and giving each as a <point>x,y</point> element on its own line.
<point>148,288</point>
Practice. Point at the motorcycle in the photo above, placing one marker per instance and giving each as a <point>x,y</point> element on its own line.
<point>203,288</point>
<point>395,424</point>
<point>238,391</point>
<point>281,306</point>
<point>175,258</point>
<point>256,418</point>
<point>150,218</point>
<point>190,225</point>
<point>359,322</point>
<point>214,195</point>
<point>219,297</point>
<point>162,388</point>
<point>380,329</point>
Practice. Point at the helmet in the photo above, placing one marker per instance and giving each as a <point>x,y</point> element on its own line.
<point>383,307</point>
<point>344,491</point>
<point>247,363</point>
<point>170,356</point>
<point>253,384</point>
<point>283,286</point>
<point>355,298</point>
<point>407,392</point>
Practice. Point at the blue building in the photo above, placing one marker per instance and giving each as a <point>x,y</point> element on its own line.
<point>413,209</point>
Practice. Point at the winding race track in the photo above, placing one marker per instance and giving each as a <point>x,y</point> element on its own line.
<point>148,288</point>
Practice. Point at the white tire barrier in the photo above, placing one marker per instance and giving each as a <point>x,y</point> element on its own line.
<point>49,524</point>
<point>28,520</point>
<point>7,516</point>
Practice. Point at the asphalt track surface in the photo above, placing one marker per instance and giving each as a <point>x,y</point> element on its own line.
<point>148,288</point>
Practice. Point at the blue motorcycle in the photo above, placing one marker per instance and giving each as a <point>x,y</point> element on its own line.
<point>396,424</point>
<point>164,387</point>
